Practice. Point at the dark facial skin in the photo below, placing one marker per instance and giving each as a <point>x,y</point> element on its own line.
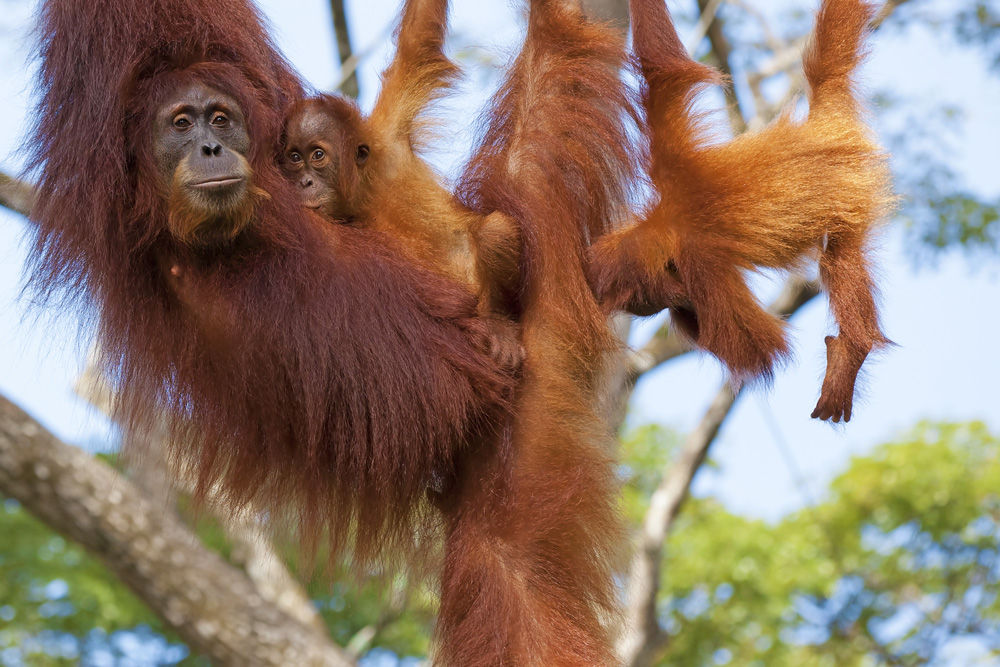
<point>200,146</point>
<point>312,159</point>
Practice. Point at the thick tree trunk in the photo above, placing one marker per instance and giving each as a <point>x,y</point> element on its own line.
<point>212,605</point>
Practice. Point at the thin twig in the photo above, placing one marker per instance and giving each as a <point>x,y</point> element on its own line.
<point>705,20</point>
<point>350,66</point>
<point>349,77</point>
<point>723,55</point>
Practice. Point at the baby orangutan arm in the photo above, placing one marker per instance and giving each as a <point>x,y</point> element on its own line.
<point>419,73</point>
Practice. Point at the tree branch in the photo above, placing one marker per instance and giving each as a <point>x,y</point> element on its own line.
<point>664,346</point>
<point>349,72</point>
<point>887,10</point>
<point>16,195</point>
<point>723,52</point>
<point>643,639</point>
<point>211,605</point>
<point>784,60</point>
<point>252,546</point>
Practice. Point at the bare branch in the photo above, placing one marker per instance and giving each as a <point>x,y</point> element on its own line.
<point>772,41</point>
<point>211,605</point>
<point>887,9</point>
<point>664,346</point>
<point>781,61</point>
<point>16,195</point>
<point>643,638</point>
<point>253,549</point>
<point>722,52</point>
<point>708,14</point>
<point>348,67</point>
<point>363,638</point>
<point>789,58</point>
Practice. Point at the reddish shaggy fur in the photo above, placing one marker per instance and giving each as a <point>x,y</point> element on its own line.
<point>305,367</point>
<point>320,369</point>
<point>533,541</point>
<point>765,199</point>
<point>532,523</point>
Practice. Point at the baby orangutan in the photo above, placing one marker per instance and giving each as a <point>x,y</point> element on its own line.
<point>366,172</point>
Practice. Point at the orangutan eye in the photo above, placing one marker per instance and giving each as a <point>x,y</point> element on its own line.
<point>362,154</point>
<point>294,158</point>
<point>182,122</point>
<point>220,120</point>
<point>318,154</point>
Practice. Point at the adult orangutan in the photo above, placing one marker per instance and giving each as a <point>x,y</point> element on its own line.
<point>305,367</point>
<point>765,199</point>
<point>314,368</point>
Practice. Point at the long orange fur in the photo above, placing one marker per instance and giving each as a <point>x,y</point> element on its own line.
<point>531,520</point>
<point>765,199</point>
<point>533,541</point>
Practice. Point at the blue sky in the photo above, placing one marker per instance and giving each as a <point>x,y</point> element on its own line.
<point>945,319</point>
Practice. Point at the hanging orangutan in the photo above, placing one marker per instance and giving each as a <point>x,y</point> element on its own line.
<point>765,199</point>
<point>551,172</point>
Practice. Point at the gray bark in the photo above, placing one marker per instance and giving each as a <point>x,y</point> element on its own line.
<point>16,195</point>
<point>213,606</point>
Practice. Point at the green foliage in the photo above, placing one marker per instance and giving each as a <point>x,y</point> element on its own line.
<point>942,214</point>
<point>54,596</point>
<point>940,211</point>
<point>401,613</point>
<point>902,556</point>
<point>978,23</point>
<point>645,452</point>
<point>58,604</point>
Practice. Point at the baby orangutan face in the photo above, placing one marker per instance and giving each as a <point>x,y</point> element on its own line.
<point>326,153</point>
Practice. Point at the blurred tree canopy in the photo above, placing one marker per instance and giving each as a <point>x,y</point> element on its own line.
<point>939,210</point>
<point>898,562</point>
<point>897,565</point>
